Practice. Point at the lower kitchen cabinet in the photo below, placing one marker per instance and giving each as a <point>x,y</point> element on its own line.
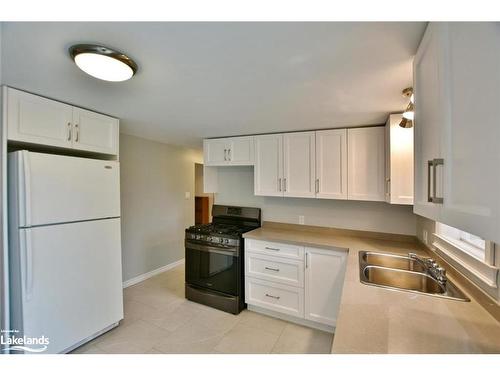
<point>307,286</point>
<point>324,278</point>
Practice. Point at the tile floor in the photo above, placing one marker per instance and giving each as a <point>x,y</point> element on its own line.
<point>159,320</point>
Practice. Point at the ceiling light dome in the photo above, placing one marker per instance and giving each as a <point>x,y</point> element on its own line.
<point>103,62</point>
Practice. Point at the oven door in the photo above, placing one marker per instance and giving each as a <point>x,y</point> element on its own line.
<point>212,267</point>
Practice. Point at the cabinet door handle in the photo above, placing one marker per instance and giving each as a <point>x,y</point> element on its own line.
<point>77,133</point>
<point>272,248</point>
<point>279,184</point>
<point>430,164</point>
<point>229,154</point>
<point>271,296</point>
<point>225,155</point>
<point>387,186</point>
<point>284,184</point>
<point>317,185</point>
<point>69,131</point>
<point>272,269</point>
<point>307,260</point>
<point>435,163</point>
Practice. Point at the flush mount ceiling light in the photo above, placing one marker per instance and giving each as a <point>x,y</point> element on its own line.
<point>103,62</point>
<point>408,114</point>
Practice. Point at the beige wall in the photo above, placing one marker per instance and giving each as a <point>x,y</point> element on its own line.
<point>236,187</point>
<point>154,179</point>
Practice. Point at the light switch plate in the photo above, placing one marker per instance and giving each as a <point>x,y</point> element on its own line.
<point>301,219</point>
<point>424,235</point>
<point>187,195</point>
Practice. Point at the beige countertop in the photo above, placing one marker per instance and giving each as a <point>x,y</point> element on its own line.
<point>378,320</point>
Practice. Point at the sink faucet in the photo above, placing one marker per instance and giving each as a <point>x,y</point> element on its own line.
<point>431,266</point>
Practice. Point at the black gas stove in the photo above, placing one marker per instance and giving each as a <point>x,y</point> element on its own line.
<point>214,257</point>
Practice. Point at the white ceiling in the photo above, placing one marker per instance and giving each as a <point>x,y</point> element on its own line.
<point>199,80</point>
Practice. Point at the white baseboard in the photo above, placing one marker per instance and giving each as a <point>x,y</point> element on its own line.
<point>152,273</point>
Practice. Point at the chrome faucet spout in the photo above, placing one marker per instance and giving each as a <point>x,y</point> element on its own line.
<point>431,267</point>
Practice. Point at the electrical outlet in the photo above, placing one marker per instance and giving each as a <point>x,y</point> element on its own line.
<point>424,235</point>
<point>301,219</point>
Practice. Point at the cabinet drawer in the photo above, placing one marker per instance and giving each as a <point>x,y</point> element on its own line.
<point>273,296</point>
<point>275,249</point>
<point>281,270</point>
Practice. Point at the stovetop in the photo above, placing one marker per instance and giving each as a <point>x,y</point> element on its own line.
<point>220,229</point>
<point>229,223</point>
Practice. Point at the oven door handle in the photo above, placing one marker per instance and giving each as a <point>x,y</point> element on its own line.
<point>211,249</point>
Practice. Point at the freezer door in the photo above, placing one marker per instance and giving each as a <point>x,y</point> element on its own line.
<point>71,281</point>
<point>57,189</point>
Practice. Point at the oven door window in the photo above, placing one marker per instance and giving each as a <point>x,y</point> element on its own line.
<point>212,269</point>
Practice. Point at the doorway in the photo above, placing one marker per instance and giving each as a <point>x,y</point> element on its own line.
<point>202,201</point>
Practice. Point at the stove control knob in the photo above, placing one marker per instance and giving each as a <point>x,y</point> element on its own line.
<point>226,241</point>
<point>222,240</point>
<point>209,239</point>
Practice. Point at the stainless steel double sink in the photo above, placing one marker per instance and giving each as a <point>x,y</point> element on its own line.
<point>404,273</point>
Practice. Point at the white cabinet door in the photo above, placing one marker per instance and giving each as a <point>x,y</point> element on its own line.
<point>34,119</point>
<point>331,164</point>
<point>366,163</point>
<point>241,151</point>
<point>469,138</point>
<point>299,164</point>
<point>268,171</point>
<point>324,279</point>
<point>95,132</point>
<point>215,152</point>
<point>430,113</point>
<point>399,162</point>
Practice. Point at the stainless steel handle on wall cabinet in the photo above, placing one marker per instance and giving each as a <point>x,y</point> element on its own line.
<point>307,260</point>
<point>77,133</point>
<point>279,184</point>
<point>284,184</point>
<point>271,296</point>
<point>272,269</point>
<point>229,154</point>
<point>387,186</point>
<point>69,131</point>
<point>317,185</point>
<point>429,166</point>
<point>435,163</point>
<point>225,155</point>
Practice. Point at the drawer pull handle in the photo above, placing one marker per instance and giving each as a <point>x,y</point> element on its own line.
<point>272,269</point>
<point>272,248</point>
<point>271,296</point>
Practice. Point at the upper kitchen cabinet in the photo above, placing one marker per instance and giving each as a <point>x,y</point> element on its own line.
<point>34,119</point>
<point>299,163</point>
<point>399,162</point>
<point>331,164</point>
<point>40,121</point>
<point>460,178</point>
<point>430,110</point>
<point>95,132</point>
<point>268,170</point>
<point>366,163</point>
<point>285,165</point>
<point>228,151</point>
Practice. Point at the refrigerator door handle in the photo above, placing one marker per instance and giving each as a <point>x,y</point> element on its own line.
<point>25,193</point>
<point>27,263</point>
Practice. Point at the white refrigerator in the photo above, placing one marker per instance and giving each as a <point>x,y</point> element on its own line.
<point>64,249</point>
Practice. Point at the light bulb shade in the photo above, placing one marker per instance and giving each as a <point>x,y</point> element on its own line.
<point>103,62</point>
<point>409,113</point>
<point>405,123</point>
